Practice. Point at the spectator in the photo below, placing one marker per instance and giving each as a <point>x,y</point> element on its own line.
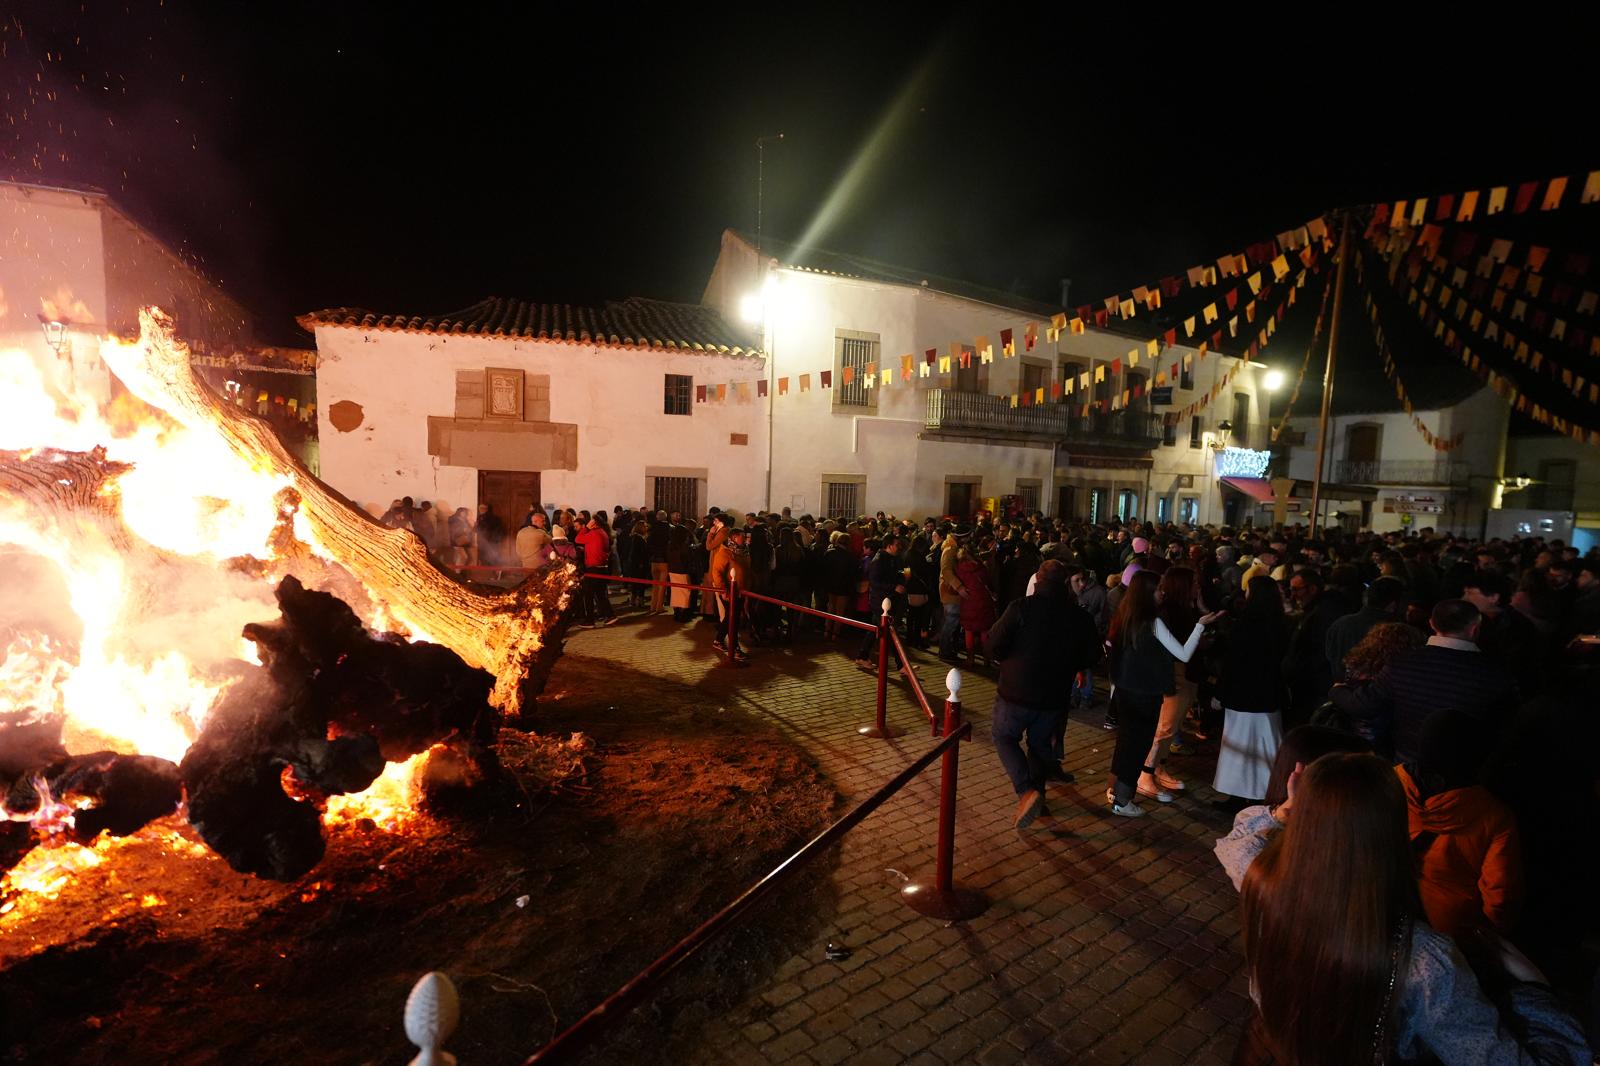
<point>1385,602</point>
<point>679,570</point>
<point>730,565</point>
<point>594,542</point>
<point>1329,908</point>
<point>977,604</point>
<point>657,536</point>
<point>533,543</point>
<point>1142,654</point>
<point>1177,604</point>
<point>1468,855</point>
<point>1448,673</point>
<point>1040,642</point>
<point>1253,692</point>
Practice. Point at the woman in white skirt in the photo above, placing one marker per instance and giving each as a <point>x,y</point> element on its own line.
<point>1253,691</point>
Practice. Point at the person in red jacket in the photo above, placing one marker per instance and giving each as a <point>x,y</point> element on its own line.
<point>1468,853</point>
<point>594,542</point>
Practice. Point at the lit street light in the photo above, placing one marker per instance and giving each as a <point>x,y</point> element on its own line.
<point>1272,381</point>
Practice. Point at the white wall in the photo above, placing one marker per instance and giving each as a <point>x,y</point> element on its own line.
<point>1482,417</point>
<point>613,395</point>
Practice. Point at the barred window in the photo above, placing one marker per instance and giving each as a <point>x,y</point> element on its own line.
<point>856,351</point>
<point>676,494</point>
<point>843,499</point>
<point>679,395</point>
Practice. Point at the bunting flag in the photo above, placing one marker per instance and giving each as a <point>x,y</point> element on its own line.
<point>761,387</point>
<point>985,351</point>
<point>805,382</point>
<point>699,394</point>
<point>1006,344</point>
<point>826,379</point>
<point>783,386</point>
<point>1030,336</point>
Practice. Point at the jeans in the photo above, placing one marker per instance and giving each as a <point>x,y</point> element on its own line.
<point>595,595</point>
<point>1137,716</point>
<point>1011,722</point>
<point>949,630</point>
<point>1085,694</point>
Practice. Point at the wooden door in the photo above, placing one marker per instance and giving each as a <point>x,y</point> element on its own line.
<point>1067,501</point>
<point>510,493</point>
<point>959,499</point>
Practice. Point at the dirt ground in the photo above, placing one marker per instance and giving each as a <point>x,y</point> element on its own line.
<point>623,843</point>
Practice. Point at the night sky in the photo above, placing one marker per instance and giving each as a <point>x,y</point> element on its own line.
<point>313,155</point>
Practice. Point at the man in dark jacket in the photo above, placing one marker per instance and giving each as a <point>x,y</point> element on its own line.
<point>1307,668</point>
<point>1385,602</point>
<point>1449,673</point>
<point>885,581</point>
<point>1040,642</point>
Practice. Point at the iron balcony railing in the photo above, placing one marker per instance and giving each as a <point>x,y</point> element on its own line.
<point>1399,472</point>
<point>976,412</point>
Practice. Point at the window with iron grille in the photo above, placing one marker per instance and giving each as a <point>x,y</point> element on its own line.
<point>1169,432</point>
<point>855,351</point>
<point>1189,510</point>
<point>843,500</point>
<point>680,395</point>
<point>1097,506</point>
<point>1163,508</point>
<point>676,494</point>
<point>1196,431</point>
<point>1028,492</point>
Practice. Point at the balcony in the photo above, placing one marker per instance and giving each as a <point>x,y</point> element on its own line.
<point>1399,472</point>
<point>975,413</point>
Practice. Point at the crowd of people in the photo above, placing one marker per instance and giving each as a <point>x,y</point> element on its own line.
<point>1421,702</point>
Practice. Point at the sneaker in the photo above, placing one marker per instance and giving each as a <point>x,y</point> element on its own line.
<point>869,667</point>
<point>610,621</point>
<point>1029,807</point>
<point>1183,746</point>
<point>1168,782</point>
<point>1153,791</point>
<point>1110,722</point>
<point>718,644</point>
<point>584,625</point>
<point>1127,810</point>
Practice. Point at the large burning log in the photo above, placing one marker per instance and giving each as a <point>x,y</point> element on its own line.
<point>515,635</point>
<point>331,707</point>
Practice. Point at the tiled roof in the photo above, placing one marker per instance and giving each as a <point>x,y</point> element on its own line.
<point>632,323</point>
<point>849,265</point>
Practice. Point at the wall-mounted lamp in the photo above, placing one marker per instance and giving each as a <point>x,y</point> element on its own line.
<point>55,332</point>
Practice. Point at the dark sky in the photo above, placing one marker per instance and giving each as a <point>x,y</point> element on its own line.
<point>419,157</point>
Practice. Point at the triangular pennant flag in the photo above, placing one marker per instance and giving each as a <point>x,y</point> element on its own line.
<point>699,394</point>
<point>1030,336</point>
<point>1007,346</point>
<point>783,386</point>
<point>761,387</point>
<point>805,382</point>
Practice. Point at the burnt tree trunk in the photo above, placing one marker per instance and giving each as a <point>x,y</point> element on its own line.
<point>515,635</point>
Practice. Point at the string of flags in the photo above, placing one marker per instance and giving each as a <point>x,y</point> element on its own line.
<point>1463,206</point>
<point>1550,305</point>
<point>1392,372</point>
<point>982,351</point>
<point>1305,362</point>
<point>1521,354</point>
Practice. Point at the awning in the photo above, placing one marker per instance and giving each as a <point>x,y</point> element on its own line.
<point>1257,488</point>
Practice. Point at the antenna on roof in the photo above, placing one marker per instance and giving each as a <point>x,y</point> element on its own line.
<point>761,167</point>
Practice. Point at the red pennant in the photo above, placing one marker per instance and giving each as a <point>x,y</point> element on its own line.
<point>1170,337</point>
<point>699,394</point>
<point>1233,299</point>
<point>1445,205</point>
<point>1525,194</point>
<point>827,379</point>
<point>1116,367</point>
<point>761,387</point>
<point>931,355</point>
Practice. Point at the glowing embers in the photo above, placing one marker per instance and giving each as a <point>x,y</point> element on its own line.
<point>390,802</point>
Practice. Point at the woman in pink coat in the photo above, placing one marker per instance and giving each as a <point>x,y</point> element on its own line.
<point>977,602</point>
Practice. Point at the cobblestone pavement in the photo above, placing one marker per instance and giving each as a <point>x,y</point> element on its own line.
<point>1107,939</point>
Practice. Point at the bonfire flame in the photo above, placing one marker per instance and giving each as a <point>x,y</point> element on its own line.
<point>123,676</point>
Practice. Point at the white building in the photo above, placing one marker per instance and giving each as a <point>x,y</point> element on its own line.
<point>950,441</point>
<point>508,403</point>
<point>74,267</point>
<point>1385,476</point>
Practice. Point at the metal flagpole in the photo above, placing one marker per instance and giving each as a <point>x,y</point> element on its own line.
<point>1327,374</point>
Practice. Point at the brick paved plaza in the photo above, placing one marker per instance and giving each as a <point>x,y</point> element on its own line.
<point>1107,940</point>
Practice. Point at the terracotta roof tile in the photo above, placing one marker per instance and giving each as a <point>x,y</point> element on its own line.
<point>632,323</point>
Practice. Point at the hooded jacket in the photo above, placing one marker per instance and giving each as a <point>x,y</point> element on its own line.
<point>1470,868</point>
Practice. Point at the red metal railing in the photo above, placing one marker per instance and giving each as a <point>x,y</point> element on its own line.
<point>937,897</point>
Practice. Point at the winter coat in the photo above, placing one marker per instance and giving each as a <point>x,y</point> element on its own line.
<point>1040,642</point>
<point>977,606</point>
<point>1470,857</point>
<point>1252,665</point>
<point>840,571</point>
<point>595,546</point>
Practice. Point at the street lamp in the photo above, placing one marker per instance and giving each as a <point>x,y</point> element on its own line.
<point>1272,380</point>
<point>55,332</point>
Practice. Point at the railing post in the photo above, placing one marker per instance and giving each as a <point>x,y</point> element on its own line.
<point>733,619</point>
<point>880,723</point>
<point>432,1010</point>
<point>942,899</point>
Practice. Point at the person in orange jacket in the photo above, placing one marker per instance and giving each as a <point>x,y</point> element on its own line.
<point>1469,859</point>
